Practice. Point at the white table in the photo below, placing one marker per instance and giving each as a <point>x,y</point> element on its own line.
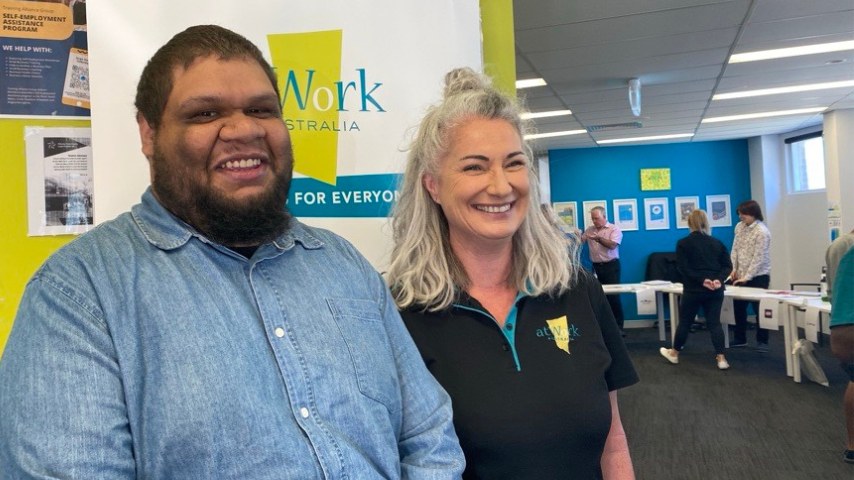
<point>786,317</point>
<point>795,304</point>
<point>617,289</point>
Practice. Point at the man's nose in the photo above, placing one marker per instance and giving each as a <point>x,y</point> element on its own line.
<point>240,126</point>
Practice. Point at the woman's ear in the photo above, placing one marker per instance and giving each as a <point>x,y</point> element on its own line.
<point>432,186</point>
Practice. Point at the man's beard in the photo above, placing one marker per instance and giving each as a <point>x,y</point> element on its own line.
<point>250,222</point>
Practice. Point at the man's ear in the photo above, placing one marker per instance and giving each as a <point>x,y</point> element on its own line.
<point>432,186</point>
<point>146,136</point>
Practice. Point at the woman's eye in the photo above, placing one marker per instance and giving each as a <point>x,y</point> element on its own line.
<point>472,168</point>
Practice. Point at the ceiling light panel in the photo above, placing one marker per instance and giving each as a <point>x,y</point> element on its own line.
<point>535,136</point>
<point>645,139</point>
<point>750,116</point>
<point>530,82</point>
<point>552,113</point>
<point>792,51</point>
<point>781,90</point>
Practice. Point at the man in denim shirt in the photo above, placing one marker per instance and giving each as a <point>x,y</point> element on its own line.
<point>206,333</point>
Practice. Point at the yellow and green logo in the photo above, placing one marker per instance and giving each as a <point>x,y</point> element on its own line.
<point>315,97</point>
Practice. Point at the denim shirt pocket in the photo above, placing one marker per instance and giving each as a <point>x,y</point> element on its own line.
<point>361,325</point>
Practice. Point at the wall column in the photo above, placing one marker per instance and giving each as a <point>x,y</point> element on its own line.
<point>839,167</point>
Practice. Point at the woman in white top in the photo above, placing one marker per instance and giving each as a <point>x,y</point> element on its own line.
<point>751,267</point>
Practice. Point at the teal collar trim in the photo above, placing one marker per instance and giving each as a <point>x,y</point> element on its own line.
<point>509,330</point>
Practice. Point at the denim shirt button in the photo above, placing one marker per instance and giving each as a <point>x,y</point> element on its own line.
<point>303,412</point>
<point>280,332</point>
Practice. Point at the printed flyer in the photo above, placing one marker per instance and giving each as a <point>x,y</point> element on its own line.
<point>59,180</point>
<point>44,64</point>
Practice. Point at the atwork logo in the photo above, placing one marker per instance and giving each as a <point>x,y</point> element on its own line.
<point>319,103</point>
<point>559,331</point>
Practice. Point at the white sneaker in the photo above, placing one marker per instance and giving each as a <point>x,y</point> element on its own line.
<point>722,364</point>
<point>665,352</point>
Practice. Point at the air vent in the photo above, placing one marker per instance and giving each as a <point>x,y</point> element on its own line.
<point>614,126</point>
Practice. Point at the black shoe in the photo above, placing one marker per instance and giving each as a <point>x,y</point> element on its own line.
<point>737,344</point>
<point>762,347</point>
<point>849,456</point>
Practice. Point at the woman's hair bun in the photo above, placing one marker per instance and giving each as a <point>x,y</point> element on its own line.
<point>464,79</point>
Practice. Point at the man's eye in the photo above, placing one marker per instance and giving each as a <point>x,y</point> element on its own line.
<point>263,112</point>
<point>203,115</point>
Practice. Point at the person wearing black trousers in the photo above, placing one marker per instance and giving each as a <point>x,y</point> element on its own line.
<point>703,263</point>
<point>603,241</point>
<point>751,262</point>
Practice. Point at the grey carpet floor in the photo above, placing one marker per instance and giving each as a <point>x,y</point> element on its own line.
<point>693,421</point>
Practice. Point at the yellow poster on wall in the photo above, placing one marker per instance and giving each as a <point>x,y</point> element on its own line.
<point>655,179</point>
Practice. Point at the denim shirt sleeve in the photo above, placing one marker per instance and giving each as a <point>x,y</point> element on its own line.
<point>60,391</point>
<point>429,448</point>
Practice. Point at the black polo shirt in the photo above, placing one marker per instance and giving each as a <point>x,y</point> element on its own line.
<point>530,400</point>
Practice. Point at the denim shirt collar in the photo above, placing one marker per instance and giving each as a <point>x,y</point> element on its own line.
<point>167,232</point>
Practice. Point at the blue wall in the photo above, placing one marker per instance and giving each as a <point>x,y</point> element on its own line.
<point>608,173</point>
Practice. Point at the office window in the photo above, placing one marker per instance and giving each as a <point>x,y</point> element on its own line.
<point>806,162</point>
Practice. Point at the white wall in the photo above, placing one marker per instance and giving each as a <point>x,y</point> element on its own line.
<point>839,165</point>
<point>798,221</point>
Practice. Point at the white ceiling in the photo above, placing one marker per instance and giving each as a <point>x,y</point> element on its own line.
<point>587,50</point>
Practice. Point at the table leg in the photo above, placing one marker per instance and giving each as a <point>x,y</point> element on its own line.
<point>790,335</point>
<point>674,316</point>
<point>659,307</point>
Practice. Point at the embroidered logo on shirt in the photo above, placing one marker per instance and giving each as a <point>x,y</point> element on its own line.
<point>560,331</point>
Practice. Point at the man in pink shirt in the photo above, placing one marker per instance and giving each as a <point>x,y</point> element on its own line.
<point>603,240</point>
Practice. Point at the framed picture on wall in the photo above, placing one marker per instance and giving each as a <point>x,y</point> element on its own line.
<point>684,207</point>
<point>718,209</point>
<point>657,215</point>
<point>568,213</point>
<point>626,214</point>
<point>588,205</point>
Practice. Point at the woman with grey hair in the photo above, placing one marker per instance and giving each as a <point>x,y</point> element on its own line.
<point>519,335</point>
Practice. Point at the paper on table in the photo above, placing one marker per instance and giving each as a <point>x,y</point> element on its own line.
<point>646,301</point>
<point>656,282</point>
<point>727,315</point>
<point>768,314</point>
<point>811,324</point>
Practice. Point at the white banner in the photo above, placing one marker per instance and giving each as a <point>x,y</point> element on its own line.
<point>768,315</point>
<point>358,77</point>
<point>811,323</point>
<point>646,303</point>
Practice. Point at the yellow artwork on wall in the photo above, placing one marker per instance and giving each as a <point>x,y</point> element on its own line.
<point>655,179</point>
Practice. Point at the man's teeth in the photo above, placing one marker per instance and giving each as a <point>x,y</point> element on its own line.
<point>244,163</point>
<point>494,208</point>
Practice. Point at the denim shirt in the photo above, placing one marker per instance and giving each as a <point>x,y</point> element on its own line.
<point>144,350</point>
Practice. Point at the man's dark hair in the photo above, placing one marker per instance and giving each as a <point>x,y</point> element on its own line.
<point>750,207</point>
<point>155,83</point>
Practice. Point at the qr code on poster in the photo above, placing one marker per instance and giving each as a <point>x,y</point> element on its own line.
<point>76,89</point>
<point>79,78</point>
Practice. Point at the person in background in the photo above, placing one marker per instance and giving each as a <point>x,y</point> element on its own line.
<point>603,242</point>
<point>840,277</point>
<point>751,263</point>
<point>704,264</point>
<point>833,255</point>
<point>509,323</point>
<point>207,333</point>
